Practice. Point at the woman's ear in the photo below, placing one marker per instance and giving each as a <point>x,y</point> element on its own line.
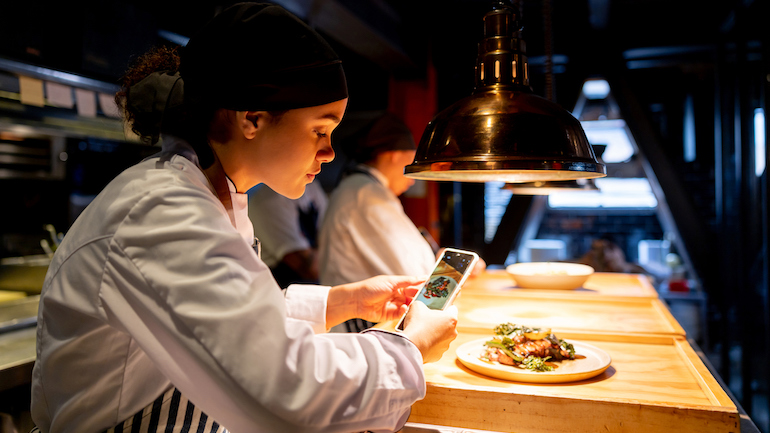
<point>250,122</point>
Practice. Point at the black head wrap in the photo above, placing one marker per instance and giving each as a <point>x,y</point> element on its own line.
<point>156,102</point>
<point>256,56</point>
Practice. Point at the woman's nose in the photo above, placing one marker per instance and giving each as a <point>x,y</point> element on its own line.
<point>326,153</point>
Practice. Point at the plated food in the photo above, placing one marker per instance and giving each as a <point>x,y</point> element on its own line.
<point>534,349</point>
<point>534,355</point>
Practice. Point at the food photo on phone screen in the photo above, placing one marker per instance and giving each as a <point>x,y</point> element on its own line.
<point>444,280</point>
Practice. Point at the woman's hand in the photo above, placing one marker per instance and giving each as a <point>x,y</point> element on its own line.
<point>375,299</point>
<point>431,330</point>
<point>383,298</point>
<point>386,297</point>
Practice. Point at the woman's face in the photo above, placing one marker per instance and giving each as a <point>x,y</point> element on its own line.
<point>288,152</point>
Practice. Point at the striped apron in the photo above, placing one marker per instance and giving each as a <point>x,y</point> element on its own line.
<point>164,416</point>
<point>169,413</point>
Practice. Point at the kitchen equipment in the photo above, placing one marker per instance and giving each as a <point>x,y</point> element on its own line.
<point>25,273</point>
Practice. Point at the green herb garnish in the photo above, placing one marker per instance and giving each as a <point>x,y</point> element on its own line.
<point>505,348</point>
<point>507,329</point>
<point>568,347</point>
<point>535,363</point>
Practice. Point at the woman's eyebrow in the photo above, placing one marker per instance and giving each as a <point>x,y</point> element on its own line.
<point>332,117</point>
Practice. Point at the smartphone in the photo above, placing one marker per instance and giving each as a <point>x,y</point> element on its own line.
<point>451,270</point>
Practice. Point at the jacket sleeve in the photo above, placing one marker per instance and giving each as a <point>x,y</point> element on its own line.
<point>206,310</point>
<point>308,302</point>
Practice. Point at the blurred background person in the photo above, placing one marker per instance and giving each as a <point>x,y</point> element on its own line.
<point>287,230</point>
<point>365,231</point>
<point>605,255</point>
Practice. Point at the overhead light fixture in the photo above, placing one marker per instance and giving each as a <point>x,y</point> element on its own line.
<point>596,88</point>
<point>551,186</point>
<point>503,131</point>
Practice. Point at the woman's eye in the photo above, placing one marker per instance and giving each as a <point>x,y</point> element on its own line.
<point>321,134</point>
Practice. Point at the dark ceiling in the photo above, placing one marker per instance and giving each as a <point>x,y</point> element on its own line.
<point>97,38</point>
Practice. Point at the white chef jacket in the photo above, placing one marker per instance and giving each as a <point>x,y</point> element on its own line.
<point>153,288</point>
<point>365,232</point>
<point>276,220</point>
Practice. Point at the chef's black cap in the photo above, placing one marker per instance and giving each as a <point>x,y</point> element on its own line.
<point>254,57</point>
<point>386,132</point>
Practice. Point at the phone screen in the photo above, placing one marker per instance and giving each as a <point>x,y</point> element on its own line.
<point>443,282</point>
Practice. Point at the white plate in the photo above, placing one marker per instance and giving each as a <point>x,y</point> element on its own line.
<point>550,275</point>
<point>594,363</point>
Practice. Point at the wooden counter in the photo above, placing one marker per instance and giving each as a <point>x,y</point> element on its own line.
<point>654,384</point>
<point>600,285</point>
<point>481,313</point>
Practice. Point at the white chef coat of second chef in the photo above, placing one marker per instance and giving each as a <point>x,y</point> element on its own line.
<point>153,288</point>
<point>365,232</point>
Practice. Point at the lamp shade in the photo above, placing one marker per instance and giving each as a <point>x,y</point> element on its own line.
<point>503,131</point>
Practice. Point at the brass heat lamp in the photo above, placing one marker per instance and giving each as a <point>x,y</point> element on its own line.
<point>503,131</point>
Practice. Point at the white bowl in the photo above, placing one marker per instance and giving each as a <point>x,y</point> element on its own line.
<point>550,275</point>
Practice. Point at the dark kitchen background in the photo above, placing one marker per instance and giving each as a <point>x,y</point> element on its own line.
<point>689,79</point>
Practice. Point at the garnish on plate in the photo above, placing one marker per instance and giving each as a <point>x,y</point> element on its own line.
<point>535,349</point>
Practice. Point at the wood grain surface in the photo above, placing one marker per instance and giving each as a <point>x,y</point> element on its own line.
<point>482,312</point>
<point>654,384</point>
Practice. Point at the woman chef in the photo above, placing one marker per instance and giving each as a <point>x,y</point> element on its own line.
<point>158,315</point>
